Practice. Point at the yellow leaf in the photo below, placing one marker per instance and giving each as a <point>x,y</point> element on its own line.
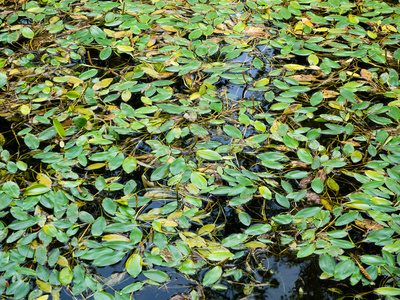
<point>206,229</point>
<point>294,67</point>
<point>326,204</point>
<point>169,28</point>
<point>255,244</point>
<point>275,126</point>
<point>78,17</point>
<point>196,242</point>
<point>299,27</point>
<point>44,179</point>
<point>73,79</point>
<point>125,48</point>
<point>16,27</point>
<point>84,111</point>
<point>126,95</point>
<point>25,109</point>
<point>194,96</point>
<point>109,32</point>
<point>168,223</point>
<point>307,22</point>
<point>262,82</point>
<point>44,286</point>
<point>62,261</point>
<point>44,297</point>
<point>102,84</point>
<point>121,34</point>
<point>14,71</point>
<point>115,237</point>
<point>150,71</point>
<point>95,166</point>
<point>388,28</point>
<point>321,29</point>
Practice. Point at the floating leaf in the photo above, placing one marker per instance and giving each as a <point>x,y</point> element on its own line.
<point>209,154</point>
<point>134,265</point>
<point>212,276</point>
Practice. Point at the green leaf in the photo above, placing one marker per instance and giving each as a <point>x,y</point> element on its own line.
<point>308,212</point>
<point>209,154</point>
<point>344,269</point>
<point>160,172</point>
<point>258,63</point>
<point>212,276</point>
<point>317,185</point>
<point>23,224</point>
<point>327,264</point>
<point>105,53</point>
<point>129,164</point>
<point>27,33</point>
<point>134,265</point>
<point>65,276</point>
<point>388,291</point>
<point>239,27</point>
<point>97,32</point>
<point>232,131</point>
<point>342,244</point>
<point>31,141</point>
<point>109,259</point>
<point>244,218</point>
<point>258,229</point>
<point>316,98</point>
<point>36,189</point>
<point>346,218</point>
<point>305,156</point>
<point>100,295</point>
<point>59,128</point>
<point>132,288</point>
<point>296,174</point>
<point>282,200</point>
<point>156,275</point>
<point>280,84</point>
<point>306,251</point>
<point>372,260</point>
<point>11,189</point>
<point>178,166</point>
<point>198,180</point>
<point>3,79</point>
<point>290,142</point>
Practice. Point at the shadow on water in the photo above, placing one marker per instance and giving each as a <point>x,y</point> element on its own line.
<point>275,277</point>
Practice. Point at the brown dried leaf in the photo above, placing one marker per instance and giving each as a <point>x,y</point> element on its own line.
<point>313,198</point>
<point>321,174</point>
<point>329,93</point>
<point>367,75</point>
<point>251,30</point>
<point>298,164</point>
<point>304,78</point>
<point>306,181</point>
<point>179,297</point>
<point>291,109</point>
<point>370,225</point>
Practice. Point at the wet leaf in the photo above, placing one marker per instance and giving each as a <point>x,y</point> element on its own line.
<point>232,131</point>
<point>157,276</point>
<point>212,276</point>
<point>134,265</point>
<point>65,276</point>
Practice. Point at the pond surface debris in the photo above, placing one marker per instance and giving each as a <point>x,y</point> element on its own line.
<point>199,149</point>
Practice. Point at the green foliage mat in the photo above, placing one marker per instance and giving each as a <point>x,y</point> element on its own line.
<point>191,134</point>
